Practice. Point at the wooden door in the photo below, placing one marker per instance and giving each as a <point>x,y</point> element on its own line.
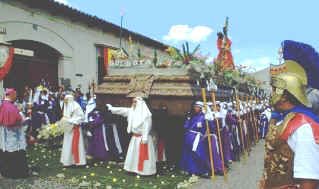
<point>29,71</point>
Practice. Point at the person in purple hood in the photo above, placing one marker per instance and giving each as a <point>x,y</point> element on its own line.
<point>97,147</point>
<point>195,156</point>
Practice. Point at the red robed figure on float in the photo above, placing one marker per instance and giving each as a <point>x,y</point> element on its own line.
<point>225,57</point>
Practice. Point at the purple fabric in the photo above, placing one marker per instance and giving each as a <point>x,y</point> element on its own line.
<point>111,141</point>
<point>234,131</point>
<point>250,130</point>
<point>38,119</point>
<point>198,162</point>
<point>52,111</point>
<point>216,156</point>
<point>9,114</point>
<point>96,147</point>
<point>218,166</point>
<point>263,126</point>
<point>227,144</point>
<point>194,162</point>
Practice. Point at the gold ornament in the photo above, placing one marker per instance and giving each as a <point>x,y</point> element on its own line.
<point>293,84</point>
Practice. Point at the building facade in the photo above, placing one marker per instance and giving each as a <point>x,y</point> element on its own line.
<point>66,43</point>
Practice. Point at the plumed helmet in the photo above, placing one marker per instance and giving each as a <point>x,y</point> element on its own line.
<point>293,84</point>
<point>302,60</point>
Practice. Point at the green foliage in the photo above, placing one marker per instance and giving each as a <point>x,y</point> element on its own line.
<point>197,68</point>
<point>217,68</point>
<point>228,77</point>
<point>186,56</point>
<point>97,174</point>
<point>238,79</point>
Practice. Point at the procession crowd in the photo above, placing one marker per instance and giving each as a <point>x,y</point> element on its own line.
<point>215,134</point>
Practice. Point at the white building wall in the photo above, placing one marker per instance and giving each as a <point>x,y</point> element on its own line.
<point>75,41</point>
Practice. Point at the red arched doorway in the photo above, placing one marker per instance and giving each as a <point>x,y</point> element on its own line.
<point>28,70</point>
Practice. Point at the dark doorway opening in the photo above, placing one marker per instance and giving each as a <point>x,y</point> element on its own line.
<point>28,71</point>
<point>101,70</point>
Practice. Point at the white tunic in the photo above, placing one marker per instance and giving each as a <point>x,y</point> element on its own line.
<point>143,129</point>
<point>306,152</point>
<point>13,139</point>
<point>89,108</point>
<point>74,116</point>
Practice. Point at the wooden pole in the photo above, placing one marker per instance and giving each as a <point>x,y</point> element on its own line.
<point>240,126</point>
<point>219,137</point>
<point>251,121</point>
<point>29,114</point>
<point>93,87</point>
<point>208,134</point>
<point>254,122</point>
<point>244,123</point>
<point>247,119</point>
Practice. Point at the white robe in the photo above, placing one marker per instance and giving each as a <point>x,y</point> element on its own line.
<point>89,108</point>
<point>143,129</point>
<point>74,116</point>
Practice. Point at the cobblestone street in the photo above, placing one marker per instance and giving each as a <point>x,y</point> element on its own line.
<point>243,175</point>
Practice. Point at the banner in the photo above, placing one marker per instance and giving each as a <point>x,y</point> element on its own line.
<point>7,54</point>
<point>107,59</point>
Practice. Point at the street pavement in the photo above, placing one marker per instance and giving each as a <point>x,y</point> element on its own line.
<point>243,175</point>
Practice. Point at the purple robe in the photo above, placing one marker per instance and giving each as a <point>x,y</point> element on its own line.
<point>236,140</point>
<point>97,147</point>
<point>229,135</point>
<point>249,137</point>
<point>195,160</point>
<point>115,138</point>
<point>227,145</point>
<point>263,126</point>
<point>38,118</point>
<point>218,166</point>
<point>52,111</point>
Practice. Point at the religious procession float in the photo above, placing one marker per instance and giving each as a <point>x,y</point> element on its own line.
<point>171,83</point>
<point>175,80</point>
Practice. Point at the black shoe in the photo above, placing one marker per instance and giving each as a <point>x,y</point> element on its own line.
<point>68,166</point>
<point>131,173</point>
<point>219,173</point>
<point>206,175</point>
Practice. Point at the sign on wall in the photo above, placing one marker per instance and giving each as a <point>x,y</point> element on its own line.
<point>23,52</point>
